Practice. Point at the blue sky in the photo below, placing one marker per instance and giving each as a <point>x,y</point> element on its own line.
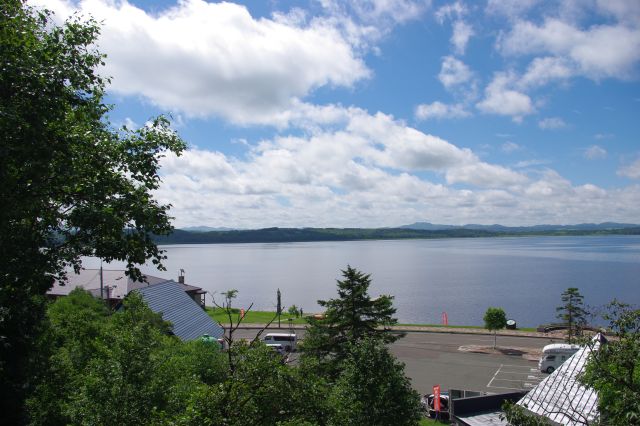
<point>383,112</point>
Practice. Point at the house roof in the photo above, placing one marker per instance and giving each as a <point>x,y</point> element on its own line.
<point>116,284</point>
<point>189,320</point>
<point>560,397</point>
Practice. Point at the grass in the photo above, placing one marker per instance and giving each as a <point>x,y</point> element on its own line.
<point>253,317</point>
<point>263,317</point>
<point>429,421</point>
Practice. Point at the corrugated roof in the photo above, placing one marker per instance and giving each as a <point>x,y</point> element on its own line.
<point>189,320</point>
<point>561,398</point>
<point>116,284</point>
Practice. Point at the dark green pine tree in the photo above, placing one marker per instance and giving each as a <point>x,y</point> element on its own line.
<point>572,311</point>
<point>353,316</point>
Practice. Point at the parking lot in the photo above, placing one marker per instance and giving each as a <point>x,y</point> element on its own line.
<point>509,377</point>
<point>435,358</point>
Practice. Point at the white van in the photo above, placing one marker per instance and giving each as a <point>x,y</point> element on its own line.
<point>276,347</point>
<point>288,341</point>
<point>554,355</point>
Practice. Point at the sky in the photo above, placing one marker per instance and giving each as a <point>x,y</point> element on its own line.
<point>376,113</point>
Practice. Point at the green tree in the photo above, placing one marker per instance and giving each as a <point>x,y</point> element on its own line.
<point>494,320</point>
<point>353,316</point>
<point>572,311</point>
<point>613,370</point>
<point>71,184</point>
<point>294,311</point>
<point>372,389</point>
<point>117,369</point>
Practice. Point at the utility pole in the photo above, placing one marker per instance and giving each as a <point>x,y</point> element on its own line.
<point>279,308</point>
<point>101,282</point>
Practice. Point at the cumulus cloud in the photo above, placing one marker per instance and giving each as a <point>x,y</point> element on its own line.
<point>544,70</point>
<point>450,11</point>
<point>502,98</point>
<point>512,9</point>
<point>439,110</point>
<point>344,178</point>
<point>595,152</point>
<point>357,169</point>
<point>398,11</point>
<point>589,50</point>
<point>632,171</point>
<point>454,72</point>
<point>552,123</point>
<point>216,59</point>
<point>462,32</point>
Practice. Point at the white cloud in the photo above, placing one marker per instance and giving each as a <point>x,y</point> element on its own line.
<point>454,72</point>
<point>601,136</point>
<point>623,10</point>
<point>450,11</point>
<point>342,178</point>
<point>216,59</point>
<point>590,50</point>
<point>631,171</point>
<point>439,110</point>
<point>542,71</point>
<point>510,147</point>
<point>595,152</point>
<point>462,32</point>
<point>397,10</point>
<point>502,99</point>
<point>551,123</point>
<point>370,162</point>
<point>510,8</point>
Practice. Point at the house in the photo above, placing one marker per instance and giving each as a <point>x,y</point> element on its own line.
<point>189,320</point>
<point>115,285</point>
<point>179,303</point>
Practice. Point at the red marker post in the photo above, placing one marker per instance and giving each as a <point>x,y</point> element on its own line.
<point>436,399</point>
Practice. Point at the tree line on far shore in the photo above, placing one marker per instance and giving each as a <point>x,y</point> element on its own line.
<point>278,235</point>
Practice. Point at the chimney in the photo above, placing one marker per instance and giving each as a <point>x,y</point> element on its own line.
<point>181,276</point>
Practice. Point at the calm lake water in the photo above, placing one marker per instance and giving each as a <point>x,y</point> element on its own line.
<point>523,275</point>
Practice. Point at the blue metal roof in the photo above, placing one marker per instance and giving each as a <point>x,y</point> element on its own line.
<point>189,320</point>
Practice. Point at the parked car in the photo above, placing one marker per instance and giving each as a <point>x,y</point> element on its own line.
<point>554,355</point>
<point>289,341</point>
<point>277,347</point>
<point>427,402</point>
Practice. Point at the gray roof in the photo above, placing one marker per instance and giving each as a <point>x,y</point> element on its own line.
<point>116,284</point>
<point>560,397</point>
<point>491,418</point>
<point>189,320</point>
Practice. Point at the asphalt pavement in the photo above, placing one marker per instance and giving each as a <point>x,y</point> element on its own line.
<point>435,358</point>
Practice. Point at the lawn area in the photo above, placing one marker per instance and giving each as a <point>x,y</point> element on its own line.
<point>263,317</point>
<point>428,421</point>
<point>252,317</point>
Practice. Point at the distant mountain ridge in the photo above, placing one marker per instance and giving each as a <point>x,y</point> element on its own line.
<point>277,235</point>
<point>427,226</point>
<point>206,229</point>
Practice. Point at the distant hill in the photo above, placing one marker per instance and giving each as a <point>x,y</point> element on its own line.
<point>535,228</point>
<point>281,235</point>
<point>205,229</point>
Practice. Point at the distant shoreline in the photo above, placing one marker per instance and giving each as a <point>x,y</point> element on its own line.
<point>294,235</point>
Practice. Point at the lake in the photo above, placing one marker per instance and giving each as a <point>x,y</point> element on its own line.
<point>463,277</point>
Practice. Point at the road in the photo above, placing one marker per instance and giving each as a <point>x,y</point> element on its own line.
<point>435,358</point>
